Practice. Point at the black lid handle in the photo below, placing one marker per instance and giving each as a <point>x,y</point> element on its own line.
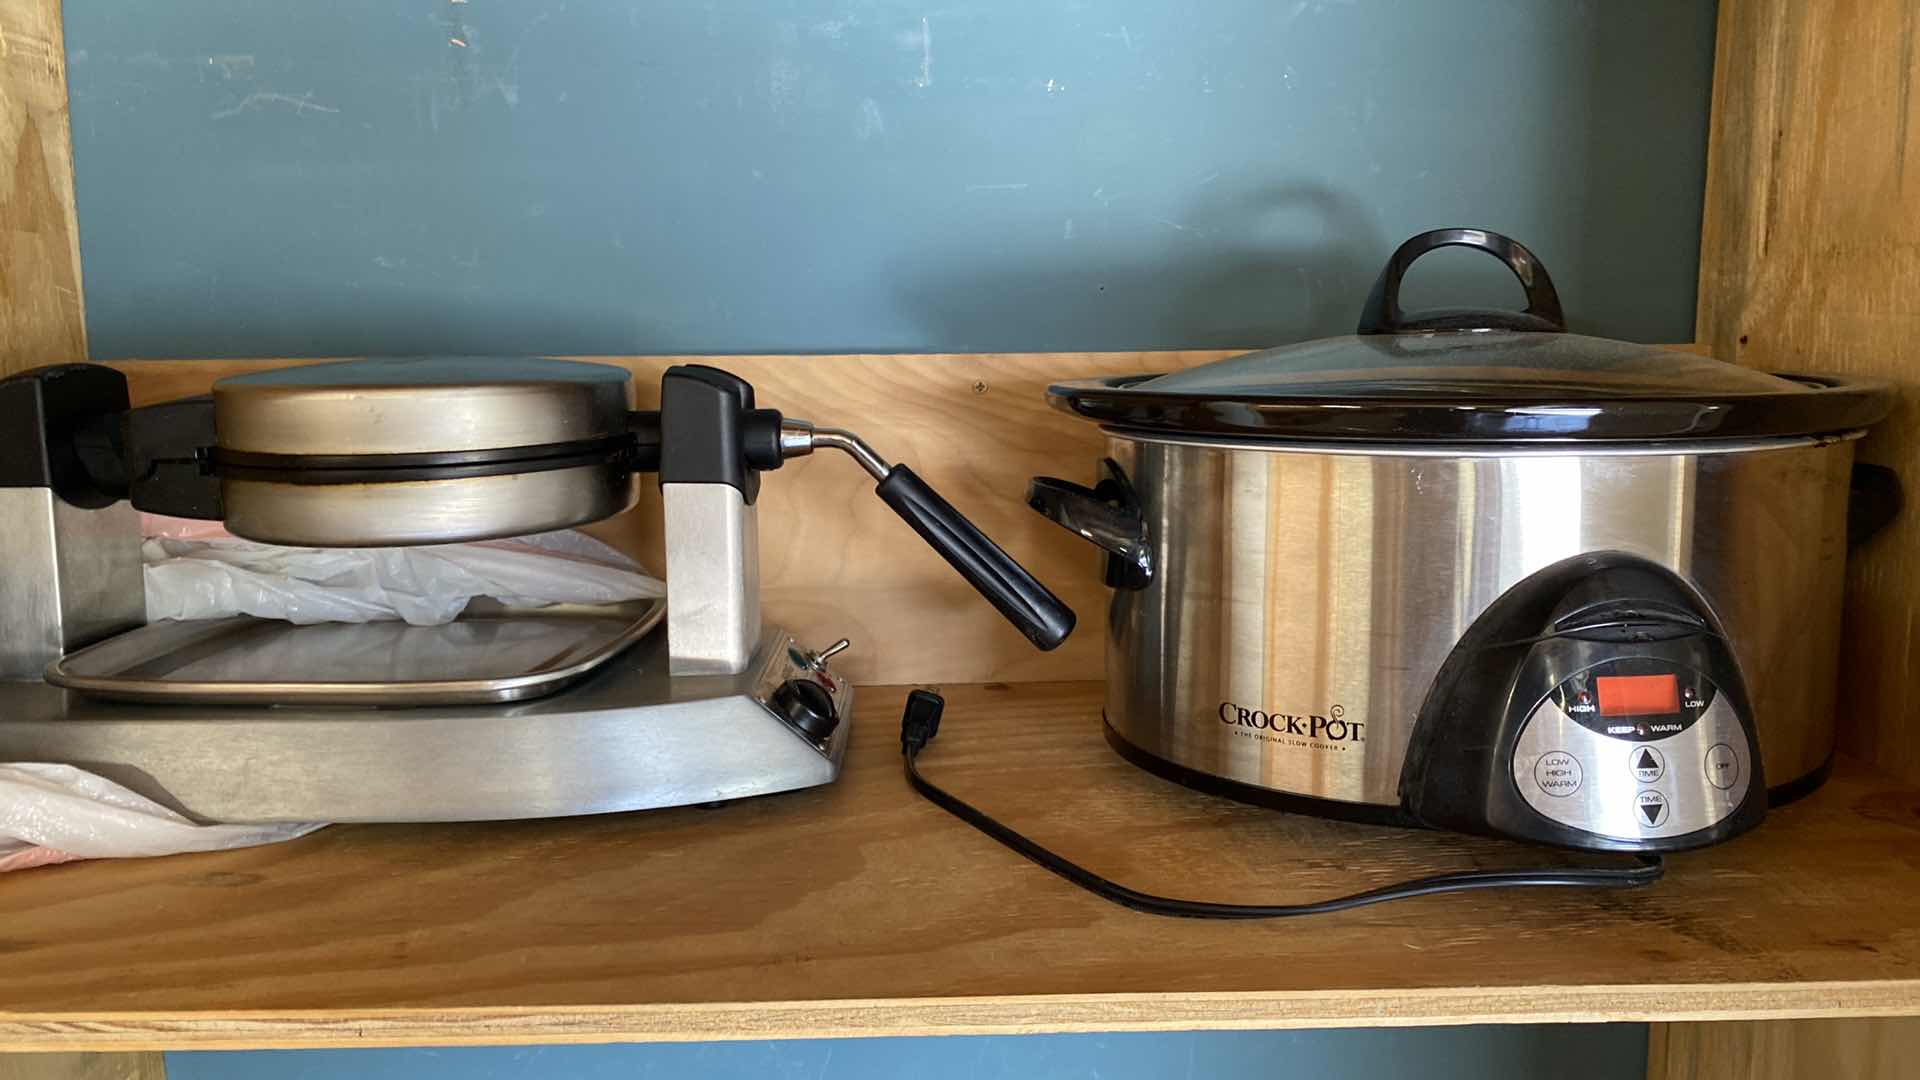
<point>1382,315</point>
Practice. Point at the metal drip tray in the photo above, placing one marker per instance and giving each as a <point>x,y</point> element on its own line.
<point>483,656</point>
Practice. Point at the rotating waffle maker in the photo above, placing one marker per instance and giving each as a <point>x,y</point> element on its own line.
<point>497,715</point>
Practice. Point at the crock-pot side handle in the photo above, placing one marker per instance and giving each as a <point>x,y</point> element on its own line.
<point>1382,314</point>
<point>1874,498</point>
<point>1107,516</point>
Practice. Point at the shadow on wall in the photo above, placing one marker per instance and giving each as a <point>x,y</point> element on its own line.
<point>1635,152</point>
<point>1284,263</point>
<point>300,315</point>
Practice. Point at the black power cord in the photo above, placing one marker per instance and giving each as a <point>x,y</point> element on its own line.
<point>921,722</point>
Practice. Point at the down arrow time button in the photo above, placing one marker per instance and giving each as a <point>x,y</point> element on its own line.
<point>1653,809</point>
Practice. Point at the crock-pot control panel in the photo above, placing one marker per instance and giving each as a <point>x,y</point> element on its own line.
<point>1634,748</point>
<point>1597,705</point>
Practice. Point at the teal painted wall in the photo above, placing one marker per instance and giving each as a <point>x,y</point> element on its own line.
<point>272,177</point>
<point>1585,1052</point>
<point>266,177</point>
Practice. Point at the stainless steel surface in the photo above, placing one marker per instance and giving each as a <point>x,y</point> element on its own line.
<point>800,437</point>
<point>68,577</point>
<point>242,660</point>
<point>855,446</point>
<point>713,577</point>
<point>1465,451</point>
<point>420,405</point>
<point>424,511</point>
<point>1587,780</point>
<point>628,737</point>
<point>796,438</point>
<point>819,660</point>
<point>1334,581</point>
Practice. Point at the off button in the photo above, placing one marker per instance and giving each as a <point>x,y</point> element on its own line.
<point>1723,767</point>
<point>1557,773</point>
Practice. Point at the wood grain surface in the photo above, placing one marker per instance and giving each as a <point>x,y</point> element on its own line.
<point>1887,1049</point>
<point>859,909</point>
<point>40,296</point>
<point>41,316</point>
<point>81,1066</point>
<point>834,560</point>
<point>1810,260</point>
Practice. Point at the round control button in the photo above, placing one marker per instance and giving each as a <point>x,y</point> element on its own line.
<point>1558,773</point>
<point>1647,764</point>
<point>1652,808</point>
<point>807,706</point>
<point>1723,766</point>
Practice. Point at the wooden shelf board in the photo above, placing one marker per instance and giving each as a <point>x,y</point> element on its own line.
<point>861,910</point>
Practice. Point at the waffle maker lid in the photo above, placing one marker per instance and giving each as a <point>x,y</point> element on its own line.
<point>421,450</point>
<point>420,405</point>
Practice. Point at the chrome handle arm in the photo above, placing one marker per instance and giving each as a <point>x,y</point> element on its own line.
<point>1003,582</point>
<point>800,437</point>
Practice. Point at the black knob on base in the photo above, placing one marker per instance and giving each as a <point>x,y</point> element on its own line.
<point>806,705</point>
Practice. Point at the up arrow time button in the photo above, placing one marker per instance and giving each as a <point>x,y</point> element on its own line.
<point>1647,763</point>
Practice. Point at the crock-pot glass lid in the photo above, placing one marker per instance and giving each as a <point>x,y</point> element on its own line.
<point>1475,375</point>
<point>1521,366</point>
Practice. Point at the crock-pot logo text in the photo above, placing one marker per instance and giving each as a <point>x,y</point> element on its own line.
<point>1329,728</point>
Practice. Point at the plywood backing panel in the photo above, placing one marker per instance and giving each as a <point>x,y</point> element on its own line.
<point>1881,1049</point>
<point>1810,261</point>
<point>40,298</point>
<point>70,1066</point>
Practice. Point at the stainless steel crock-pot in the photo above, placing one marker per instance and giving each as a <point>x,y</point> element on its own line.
<point>1467,569</point>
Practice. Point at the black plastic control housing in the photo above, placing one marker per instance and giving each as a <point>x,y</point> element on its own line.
<point>710,432</point>
<point>165,449</point>
<point>61,433</point>
<point>1606,609</point>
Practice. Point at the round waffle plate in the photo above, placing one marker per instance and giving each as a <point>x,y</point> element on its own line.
<point>420,450</point>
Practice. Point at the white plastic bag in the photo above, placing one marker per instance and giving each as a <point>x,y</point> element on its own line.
<point>194,575</point>
<point>57,813</point>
